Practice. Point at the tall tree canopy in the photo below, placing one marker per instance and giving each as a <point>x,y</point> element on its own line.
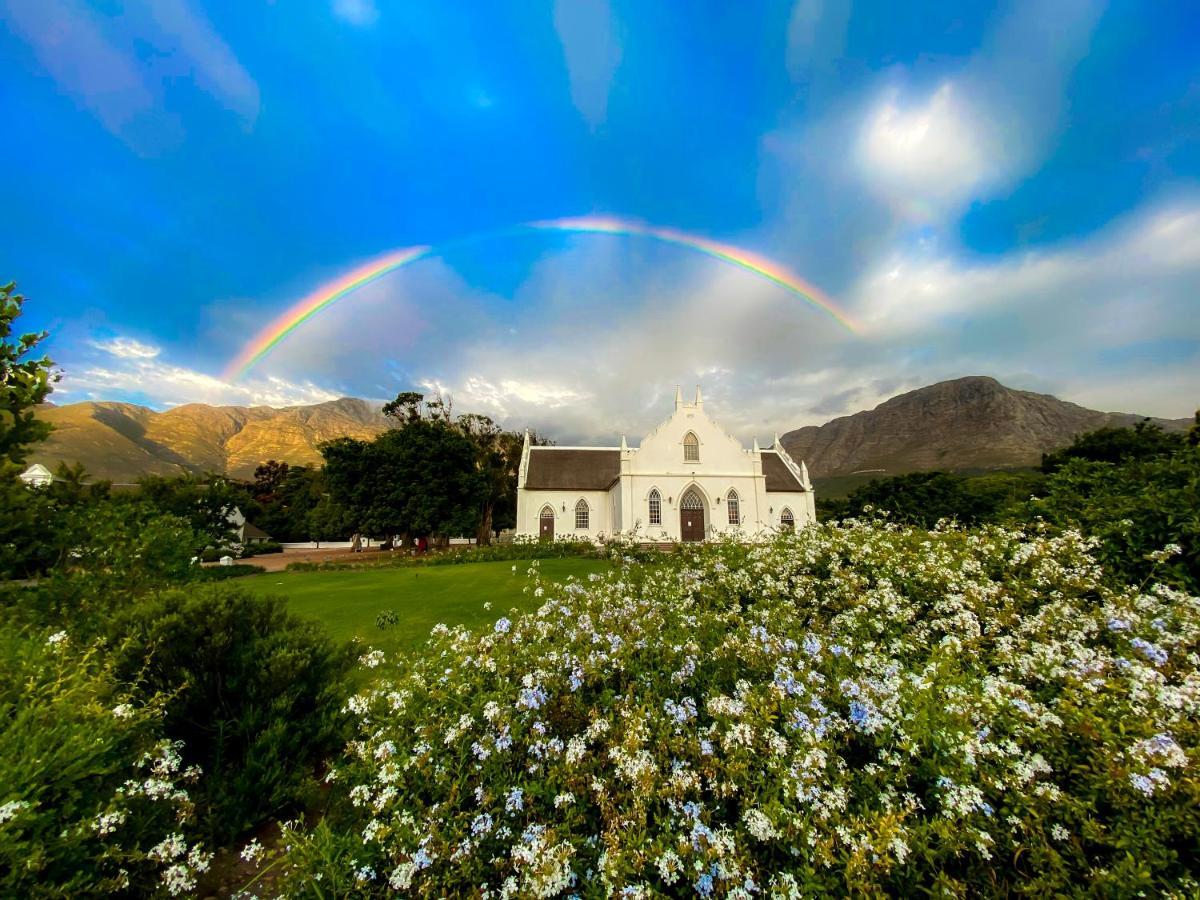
<point>25,381</point>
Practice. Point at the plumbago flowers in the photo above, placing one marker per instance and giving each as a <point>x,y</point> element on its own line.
<point>854,708</point>
<point>92,800</point>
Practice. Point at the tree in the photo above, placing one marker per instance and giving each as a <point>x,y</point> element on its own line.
<point>268,477</point>
<point>204,502</point>
<point>25,382</point>
<point>1145,440</point>
<point>421,479</point>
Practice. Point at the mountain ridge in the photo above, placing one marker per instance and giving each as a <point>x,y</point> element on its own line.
<point>124,441</point>
<point>969,423</point>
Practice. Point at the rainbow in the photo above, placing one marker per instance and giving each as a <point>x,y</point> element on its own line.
<point>330,292</point>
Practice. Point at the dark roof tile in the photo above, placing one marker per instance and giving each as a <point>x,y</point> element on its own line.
<point>779,476</point>
<point>558,469</point>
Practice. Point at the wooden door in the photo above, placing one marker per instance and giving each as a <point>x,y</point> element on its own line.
<point>691,517</point>
<point>546,525</point>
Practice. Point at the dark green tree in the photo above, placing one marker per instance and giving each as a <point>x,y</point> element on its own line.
<point>25,381</point>
<point>205,502</point>
<point>268,478</point>
<point>1145,440</point>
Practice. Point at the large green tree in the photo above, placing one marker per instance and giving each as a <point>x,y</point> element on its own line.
<point>419,480</point>
<point>26,379</point>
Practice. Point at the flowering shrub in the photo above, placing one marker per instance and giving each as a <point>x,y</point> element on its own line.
<point>92,799</point>
<point>849,709</point>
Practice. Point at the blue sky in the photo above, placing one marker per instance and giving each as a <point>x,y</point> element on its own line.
<point>1009,189</point>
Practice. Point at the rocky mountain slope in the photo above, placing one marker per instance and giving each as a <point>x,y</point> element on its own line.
<point>967,423</point>
<point>123,441</point>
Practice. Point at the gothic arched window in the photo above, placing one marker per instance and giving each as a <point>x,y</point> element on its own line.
<point>655,507</point>
<point>691,448</point>
<point>735,510</point>
<point>581,514</point>
<point>786,520</point>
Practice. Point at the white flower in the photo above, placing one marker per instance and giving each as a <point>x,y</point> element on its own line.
<point>10,809</point>
<point>122,711</point>
<point>253,851</point>
<point>58,639</point>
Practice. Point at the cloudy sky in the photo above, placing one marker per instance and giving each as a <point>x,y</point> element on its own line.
<point>1010,189</point>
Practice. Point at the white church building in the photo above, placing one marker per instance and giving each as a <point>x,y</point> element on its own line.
<point>688,481</point>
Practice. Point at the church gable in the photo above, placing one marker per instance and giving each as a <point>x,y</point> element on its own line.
<point>689,440</point>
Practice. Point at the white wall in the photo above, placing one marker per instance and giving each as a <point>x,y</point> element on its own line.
<point>658,463</point>
<point>529,510</point>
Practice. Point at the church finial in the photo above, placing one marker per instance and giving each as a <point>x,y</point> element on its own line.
<point>776,444</point>
<point>756,447</point>
<point>804,476</point>
<point>699,399</point>
<point>624,446</point>
<point>678,396</point>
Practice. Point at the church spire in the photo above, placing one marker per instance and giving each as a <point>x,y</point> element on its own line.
<point>699,399</point>
<point>678,396</point>
<point>804,476</point>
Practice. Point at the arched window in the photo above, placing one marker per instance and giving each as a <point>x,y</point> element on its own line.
<point>691,500</point>
<point>655,507</point>
<point>691,448</point>
<point>786,520</point>
<point>735,511</point>
<point>581,514</point>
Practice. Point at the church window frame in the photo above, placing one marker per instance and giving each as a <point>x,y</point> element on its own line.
<point>654,502</point>
<point>733,507</point>
<point>787,520</point>
<point>691,447</point>
<point>583,515</point>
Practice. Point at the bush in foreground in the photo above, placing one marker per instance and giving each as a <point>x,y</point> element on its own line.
<point>260,696</point>
<point>93,801</point>
<point>855,709</point>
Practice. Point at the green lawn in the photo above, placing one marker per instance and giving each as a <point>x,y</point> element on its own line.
<point>348,601</point>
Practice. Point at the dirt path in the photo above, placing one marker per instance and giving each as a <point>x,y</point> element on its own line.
<point>277,562</point>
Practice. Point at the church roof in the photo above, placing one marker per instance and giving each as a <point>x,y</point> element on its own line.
<point>779,476</point>
<point>563,469</point>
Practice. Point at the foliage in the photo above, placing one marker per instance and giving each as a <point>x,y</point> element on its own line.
<point>205,502</point>
<point>418,480</point>
<point>561,548</point>
<point>925,498</point>
<point>223,573</point>
<point>25,382</point>
<point>260,548</point>
<point>1145,440</point>
<point>860,709</point>
<point>260,694</point>
<point>91,798</point>
<point>1135,509</point>
<point>269,477</point>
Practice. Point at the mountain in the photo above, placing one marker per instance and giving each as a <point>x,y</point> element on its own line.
<point>123,441</point>
<point>966,424</point>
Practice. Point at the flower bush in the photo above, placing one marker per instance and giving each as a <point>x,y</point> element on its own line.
<point>860,708</point>
<point>93,801</point>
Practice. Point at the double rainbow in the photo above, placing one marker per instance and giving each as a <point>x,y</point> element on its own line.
<point>330,292</point>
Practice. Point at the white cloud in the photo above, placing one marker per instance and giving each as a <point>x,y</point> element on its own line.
<point>586,29</point>
<point>137,374</point>
<point>118,65</point>
<point>927,156</point>
<point>356,12</point>
<point>127,348</point>
<point>1130,281</point>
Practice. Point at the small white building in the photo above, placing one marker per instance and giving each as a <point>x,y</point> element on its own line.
<point>37,475</point>
<point>688,481</point>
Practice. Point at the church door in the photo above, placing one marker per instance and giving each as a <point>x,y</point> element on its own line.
<point>691,517</point>
<point>546,525</point>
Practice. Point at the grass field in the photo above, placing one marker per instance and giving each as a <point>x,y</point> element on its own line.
<point>348,601</point>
